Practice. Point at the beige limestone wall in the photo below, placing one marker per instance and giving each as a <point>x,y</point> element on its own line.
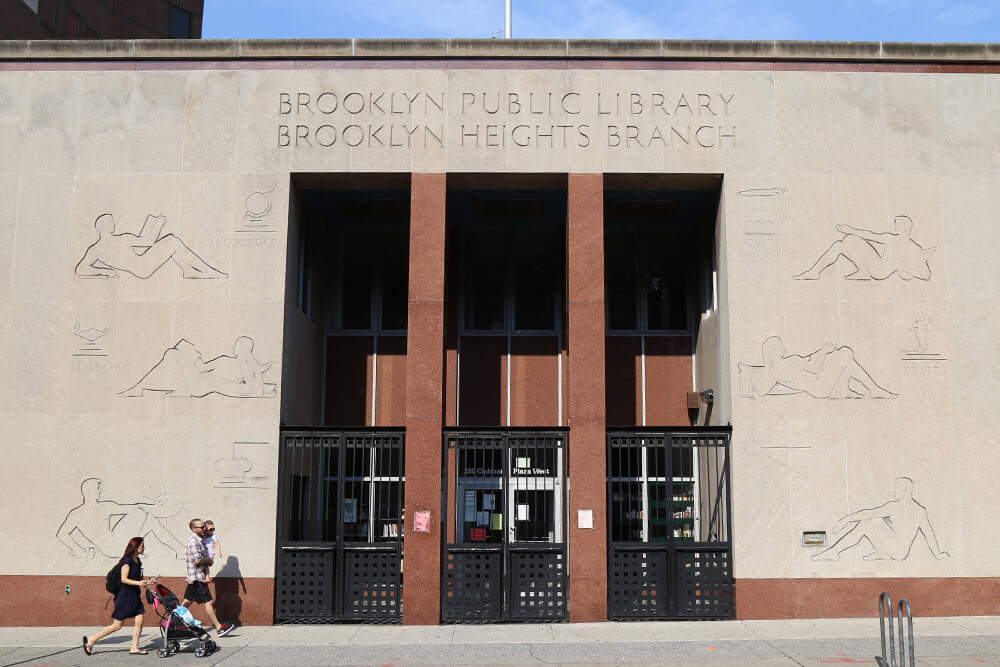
<point>211,150</point>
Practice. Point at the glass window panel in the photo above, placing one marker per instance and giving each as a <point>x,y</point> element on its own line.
<point>298,502</point>
<point>620,269</point>
<point>356,285</point>
<point>329,461</point>
<point>479,498</point>
<point>356,510</point>
<point>659,506</point>
<point>666,288</point>
<point>626,512</point>
<point>484,286</point>
<point>683,461</point>
<point>626,461</point>
<point>534,515</point>
<point>388,462</point>
<point>656,460</point>
<point>386,511</point>
<point>327,522</point>
<point>357,505</point>
<point>395,270</point>
<point>536,265</point>
<point>682,504</point>
<point>178,23</point>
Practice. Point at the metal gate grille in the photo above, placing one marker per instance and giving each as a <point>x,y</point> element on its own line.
<point>669,543</point>
<point>638,583</point>
<point>538,585</point>
<point>297,596</point>
<point>473,585</point>
<point>704,584</point>
<point>504,512</point>
<point>340,526</point>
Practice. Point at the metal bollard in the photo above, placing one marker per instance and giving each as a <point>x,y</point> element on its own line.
<point>885,618</point>
<point>909,639</point>
<point>885,609</point>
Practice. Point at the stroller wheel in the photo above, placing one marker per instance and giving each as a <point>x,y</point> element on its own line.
<point>162,652</point>
<point>212,645</point>
<point>175,647</point>
<point>199,652</point>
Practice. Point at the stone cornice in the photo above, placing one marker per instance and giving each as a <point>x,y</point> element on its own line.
<point>499,49</point>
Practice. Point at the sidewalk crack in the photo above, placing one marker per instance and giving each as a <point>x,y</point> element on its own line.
<point>768,642</point>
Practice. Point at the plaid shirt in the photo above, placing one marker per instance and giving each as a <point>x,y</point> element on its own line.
<point>194,550</point>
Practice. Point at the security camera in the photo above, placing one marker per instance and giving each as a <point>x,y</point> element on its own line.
<point>708,396</point>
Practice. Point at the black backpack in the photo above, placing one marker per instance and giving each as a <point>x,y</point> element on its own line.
<point>113,581</point>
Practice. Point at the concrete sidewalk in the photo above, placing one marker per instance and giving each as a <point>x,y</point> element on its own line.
<point>942,642</point>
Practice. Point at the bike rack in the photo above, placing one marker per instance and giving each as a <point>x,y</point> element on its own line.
<point>885,618</point>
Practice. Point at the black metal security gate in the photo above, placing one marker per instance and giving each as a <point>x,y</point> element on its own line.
<point>669,537</point>
<point>503,507</point>
<point>340,526</point>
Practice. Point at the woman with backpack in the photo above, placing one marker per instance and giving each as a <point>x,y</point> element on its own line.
<point>128,596</point>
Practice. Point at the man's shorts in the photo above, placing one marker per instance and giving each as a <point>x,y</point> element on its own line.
<point>198,592</point>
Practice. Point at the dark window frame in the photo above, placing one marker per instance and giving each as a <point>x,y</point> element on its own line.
<point>642,248</point>
<point>510,285</point>
<point>334,310</point>
<point>175,11</point>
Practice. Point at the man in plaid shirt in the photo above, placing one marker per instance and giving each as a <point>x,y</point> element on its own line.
<point>198,562</point>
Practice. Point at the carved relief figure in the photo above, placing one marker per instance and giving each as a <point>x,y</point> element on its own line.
<point>829,372</point>
<point>102,526</point>
<point>889,530</point>
<point>876,255</point>
<point>141,255</point>
<point>183,372</point>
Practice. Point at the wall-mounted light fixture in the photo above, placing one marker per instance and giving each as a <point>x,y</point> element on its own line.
<point>708,396</point>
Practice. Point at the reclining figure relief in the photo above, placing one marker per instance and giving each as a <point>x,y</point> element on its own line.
<point>830,372</point>
<point>140,255</point>
<point>183,372</point>
<point>876,255</point>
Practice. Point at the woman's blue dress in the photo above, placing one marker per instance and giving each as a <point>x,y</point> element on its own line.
<point>128,599</point>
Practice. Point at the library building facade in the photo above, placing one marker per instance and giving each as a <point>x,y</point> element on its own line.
<point>502,330</point>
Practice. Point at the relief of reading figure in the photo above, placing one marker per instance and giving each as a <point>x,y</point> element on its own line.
<point>100,526</point>
<point>183,372</point>
<point>890,529</point>
<point>141,255</point>
<point>829,372</point>
<point>876,255</point>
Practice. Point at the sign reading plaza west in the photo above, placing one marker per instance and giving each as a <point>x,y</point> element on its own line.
<point>508,119</point>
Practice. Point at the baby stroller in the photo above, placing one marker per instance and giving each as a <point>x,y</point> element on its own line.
<point>173,628</point>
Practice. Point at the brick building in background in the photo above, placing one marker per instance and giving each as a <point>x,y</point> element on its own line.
<point>101,19</point>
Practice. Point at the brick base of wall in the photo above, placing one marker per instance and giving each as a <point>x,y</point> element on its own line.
<point>846,598</point>
<point>37,600</point>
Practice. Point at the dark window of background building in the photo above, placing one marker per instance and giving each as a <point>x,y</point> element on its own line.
<point>178,23</point>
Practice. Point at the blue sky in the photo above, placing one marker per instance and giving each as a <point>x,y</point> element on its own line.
<point>875,20</point>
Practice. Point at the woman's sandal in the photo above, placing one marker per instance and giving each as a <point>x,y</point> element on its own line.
<point>139,652</point>
<point>87,648</point>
